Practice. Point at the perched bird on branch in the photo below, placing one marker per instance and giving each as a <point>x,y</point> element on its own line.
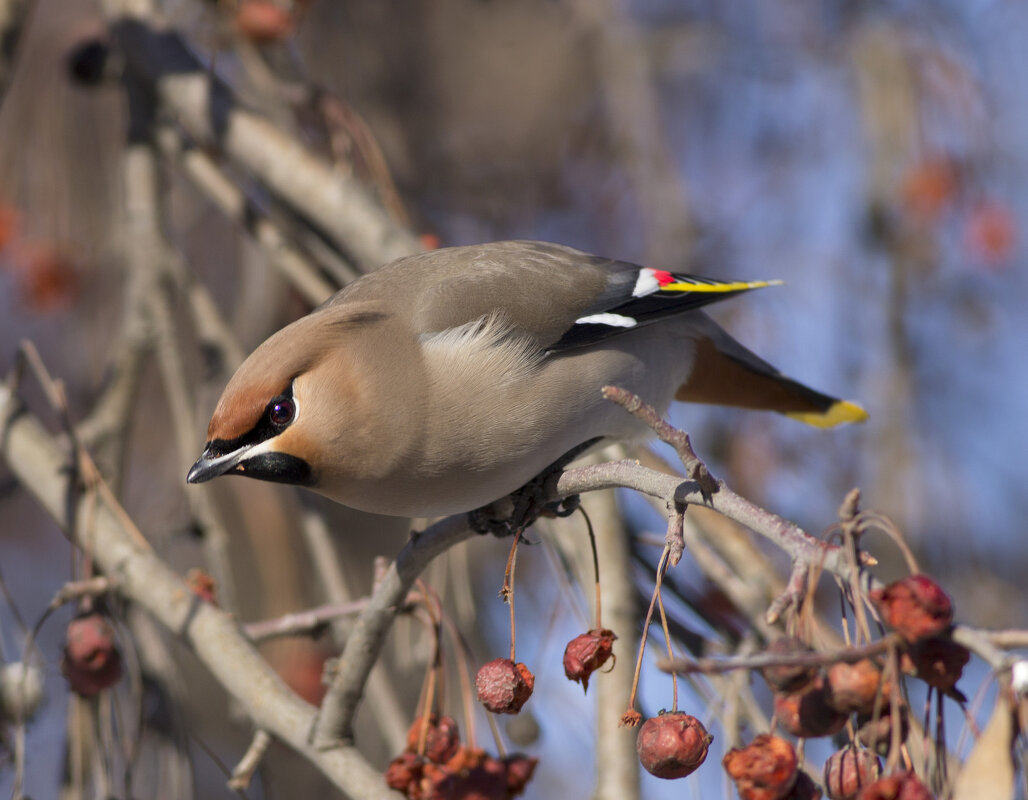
<point>449,379</point>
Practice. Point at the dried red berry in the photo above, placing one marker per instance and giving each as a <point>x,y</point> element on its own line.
<point>854,688</point>
<point>404,773</point>
<point>442,740</point>
<point>929,187</point>
<point>916,607</point>
<point>430,241</point>
<point>991,233</point>
<point>938,662</point>
<point>471,774</point>
<point>92,661</point>
<point>263,22</point>
<point>808,714</point>
<point>519,769</point>
<point>437,783</point>
<point>766,769</point>
<point>849,770</point>
<point>503,686</point>
<point>586,653</point>
<point>46,277</point>
<point>902,786</point>
<point>788,677</point>
<point>804,788</point>
<point>672,745</point>
<point>10,222</point>
<point>202,585</point>
<point>876,733</point>
<point>630,719</point>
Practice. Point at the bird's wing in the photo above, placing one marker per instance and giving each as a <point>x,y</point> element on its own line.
<point>637,296</point>
<point>560,297</point>
<point>554,299</point>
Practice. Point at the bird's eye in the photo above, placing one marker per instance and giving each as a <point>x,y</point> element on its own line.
<point>282,412</point>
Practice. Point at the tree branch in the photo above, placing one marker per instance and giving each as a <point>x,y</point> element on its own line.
<point>335,723</point>
<point>336,203</point>
<point>37,460</point>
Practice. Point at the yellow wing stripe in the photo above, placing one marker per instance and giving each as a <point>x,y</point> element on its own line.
<point>838,413</point>
<point>732,286</point>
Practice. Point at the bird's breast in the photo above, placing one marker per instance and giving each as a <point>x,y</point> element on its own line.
<point>497,420</point>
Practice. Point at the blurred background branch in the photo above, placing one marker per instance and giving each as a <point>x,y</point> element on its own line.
<point>178,179</point>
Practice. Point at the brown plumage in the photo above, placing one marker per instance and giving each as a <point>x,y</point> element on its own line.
<point>448,379</point>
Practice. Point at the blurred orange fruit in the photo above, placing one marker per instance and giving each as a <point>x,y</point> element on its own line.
<point>10,221</point>
<point>991,233</point>
<point>263,22</point>
<point>928,188</point>
<point>45,277</point>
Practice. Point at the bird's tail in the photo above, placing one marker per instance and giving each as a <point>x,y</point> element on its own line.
<point>727,373</point>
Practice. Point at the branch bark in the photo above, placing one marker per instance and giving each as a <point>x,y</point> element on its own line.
<point>335,203</point>
<point>39,463</point>
<point>335,723</point>
<point>13,16</point>
<point>617,765</point>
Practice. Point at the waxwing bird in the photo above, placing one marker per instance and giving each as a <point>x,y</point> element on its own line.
<point>449,379</point>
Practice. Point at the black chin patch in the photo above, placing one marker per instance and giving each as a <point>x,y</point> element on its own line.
<point>276,467</point>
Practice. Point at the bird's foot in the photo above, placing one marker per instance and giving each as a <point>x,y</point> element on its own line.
<point>520,509</point>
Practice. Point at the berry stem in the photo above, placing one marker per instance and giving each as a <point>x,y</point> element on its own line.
<point>645,629</point>
<point>507,592</point>
<point>896,739</point>
<point>494,727</point>
<point>661,570</point>
<point>462,651</point>
<point>596,566</point>
<point>851,544</point>
<point>435,667</point>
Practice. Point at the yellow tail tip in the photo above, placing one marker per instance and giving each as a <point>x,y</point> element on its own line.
<point>840,413</point>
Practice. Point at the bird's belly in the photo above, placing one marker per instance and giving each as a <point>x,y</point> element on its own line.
<point>474,460</point>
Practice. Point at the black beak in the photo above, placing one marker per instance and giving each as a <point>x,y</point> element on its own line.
<point>212,463</point>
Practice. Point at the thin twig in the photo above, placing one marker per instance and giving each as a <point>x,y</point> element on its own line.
<point>675,537</point>
<point>333,202</point>
<point>89,587</point>
<point>335,722</point>
<point>678,439</point>
<point>309,621</point>
<point>847,655</point>
<point>247,766</point>
<point>37,460</point>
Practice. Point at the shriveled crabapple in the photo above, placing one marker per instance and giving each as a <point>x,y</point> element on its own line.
<point>586,653</point>
<point>916,607</point>
<point>766,769</point>
<point>504,687</point>
<point>854,688</point>
<point>442,739</point>
<point>939,662</point>
<point>92,661</point>
<point>900,786</point>
<point>849,770</point>
<point>788,677</point>
<point>807,714</point>
<point>672,745</point>
<point>876,732</point>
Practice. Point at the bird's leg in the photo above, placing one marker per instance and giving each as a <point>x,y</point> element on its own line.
<point>521,508</point>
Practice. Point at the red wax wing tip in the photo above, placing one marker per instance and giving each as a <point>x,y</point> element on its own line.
<point>663,277</point>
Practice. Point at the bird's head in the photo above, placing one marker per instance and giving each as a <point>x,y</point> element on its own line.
<point>307,402</point>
